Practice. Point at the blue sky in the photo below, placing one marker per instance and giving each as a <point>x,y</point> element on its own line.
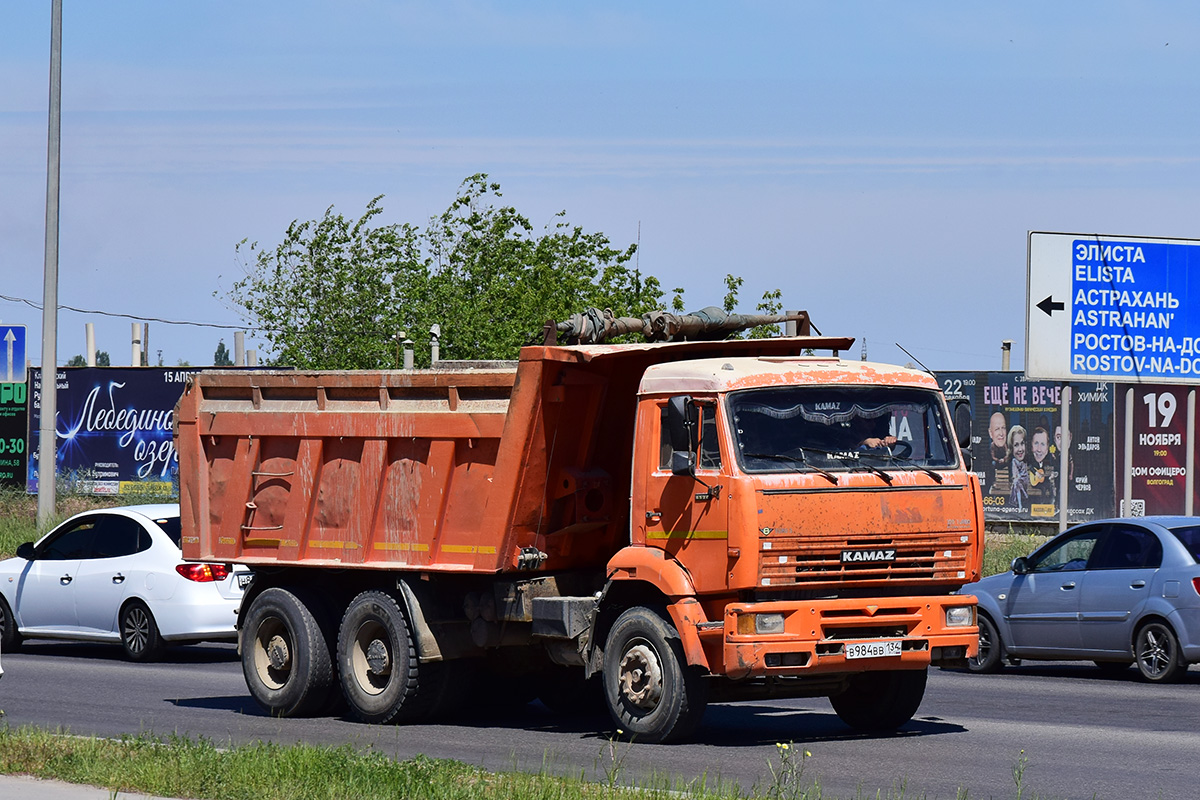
<point>880,163</point>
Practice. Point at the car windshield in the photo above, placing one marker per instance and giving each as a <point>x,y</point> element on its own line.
<point>795,428</point>
<point>1190,536</point>
<point>171,528</point>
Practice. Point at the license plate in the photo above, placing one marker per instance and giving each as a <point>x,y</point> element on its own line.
<point>872,649</point>
<point>244,579</point>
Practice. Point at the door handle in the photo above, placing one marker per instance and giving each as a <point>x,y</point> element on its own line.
<point>1138,585</point>
<point>118,578</point>
<point>1068,585</point>
<point>653,516</point>
<point>65,579</point>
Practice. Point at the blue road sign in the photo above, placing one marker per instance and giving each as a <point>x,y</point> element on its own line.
<point>12,353</point>
<point>1113,308</point>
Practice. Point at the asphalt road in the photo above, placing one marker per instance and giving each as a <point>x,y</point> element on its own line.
<point>1083,734</point>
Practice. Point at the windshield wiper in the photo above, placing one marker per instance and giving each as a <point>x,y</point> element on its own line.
<point>797,459</point>
<point>847,459</point>
<point>915,465</point>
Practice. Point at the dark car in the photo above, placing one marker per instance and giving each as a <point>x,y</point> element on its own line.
<point>1116,592</point>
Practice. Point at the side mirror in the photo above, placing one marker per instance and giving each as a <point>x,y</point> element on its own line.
<point>25,551</point>
<point>682,427</point>
<point>962,423</point>
<point>1020,565</point>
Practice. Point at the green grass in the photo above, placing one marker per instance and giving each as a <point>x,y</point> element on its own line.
<point>18,513</point>
<point>1000,549</point>
<point>184,768</point>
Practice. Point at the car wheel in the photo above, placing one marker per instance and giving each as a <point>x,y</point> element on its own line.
<point>652,693</point>
<point>880,701</point>
<point>991,649</point>
<point>1157,650</point>
<point>10,640</point>
<point>285,656</point>
<point>139,633</point>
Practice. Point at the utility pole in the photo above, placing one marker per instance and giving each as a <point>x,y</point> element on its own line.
<point>1005,353</point>
<point>47,446</point>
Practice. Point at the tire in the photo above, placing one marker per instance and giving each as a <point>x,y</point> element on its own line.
<point>285,657</point>
<point>651,692</point>
<point>991,649</point>
<point>10,639</point>
<point>1157,653</point>
<point>382,677</point>
<point>139,633</point>
<point>880,701</point>
<point>1113,669</point>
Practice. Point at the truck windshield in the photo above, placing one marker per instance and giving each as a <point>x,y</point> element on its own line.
<point>795,429</point>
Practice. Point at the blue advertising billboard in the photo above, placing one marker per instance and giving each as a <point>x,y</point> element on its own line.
<point>114,429</point>
<point>1017,438</point>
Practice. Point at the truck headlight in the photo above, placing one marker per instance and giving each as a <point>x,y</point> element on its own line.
<point>760,623</point>
<point>960,616</point>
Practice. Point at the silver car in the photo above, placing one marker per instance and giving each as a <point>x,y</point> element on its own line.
<point>117,575</point>
<point>1115,591</point>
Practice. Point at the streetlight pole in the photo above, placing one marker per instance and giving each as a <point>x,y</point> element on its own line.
<point>47,446</point>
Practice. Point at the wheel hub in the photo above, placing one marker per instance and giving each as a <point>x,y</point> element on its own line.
<point>378,660</point>
<point>641,677</point>
<point>278,654</point>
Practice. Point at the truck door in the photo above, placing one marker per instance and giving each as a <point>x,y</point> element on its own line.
<point>683,516</point>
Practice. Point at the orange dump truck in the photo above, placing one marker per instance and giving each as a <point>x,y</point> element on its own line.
<point>662,524</point>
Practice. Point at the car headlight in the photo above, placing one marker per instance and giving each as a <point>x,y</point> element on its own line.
<point>760,623</point>
<point>960,616</point>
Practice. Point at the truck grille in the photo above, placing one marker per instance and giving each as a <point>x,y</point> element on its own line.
<point>862,559</point>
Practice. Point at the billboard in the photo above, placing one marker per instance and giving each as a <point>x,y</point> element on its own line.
<point>14,433</point>
<point>1017,438</point>
<point>114,429</point>
<point>1156,459</point>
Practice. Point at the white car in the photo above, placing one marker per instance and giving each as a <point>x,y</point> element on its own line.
<point>117,575</point>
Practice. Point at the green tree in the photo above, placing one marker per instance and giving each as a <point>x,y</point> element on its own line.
<point>102,360</point>
<point>221,356</point>
<point>336,293</point>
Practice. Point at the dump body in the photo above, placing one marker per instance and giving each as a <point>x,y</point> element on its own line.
<point>542,508</point>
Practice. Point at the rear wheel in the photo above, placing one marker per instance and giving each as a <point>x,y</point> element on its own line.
<point>991,649</point>
<point>880,701</point>
<point>285,658</point>
<point>1158,656</point>
<point>382,677</point>
<point>139,633</point>
<point>652,693</point>
<point>10,640</point>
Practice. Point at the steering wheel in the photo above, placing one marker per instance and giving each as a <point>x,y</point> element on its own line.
<point>902,449</point>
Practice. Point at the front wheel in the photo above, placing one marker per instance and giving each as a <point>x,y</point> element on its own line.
<point>139,633</point>
<point>991,649</point>
<point>651,692</point>
<point>285,658</point>
<point>880,701</point>
<point>1157,650</point>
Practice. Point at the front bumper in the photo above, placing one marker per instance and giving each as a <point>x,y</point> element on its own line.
<point>816,635</point>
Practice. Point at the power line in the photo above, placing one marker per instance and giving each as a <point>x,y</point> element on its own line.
<point>38,306</point>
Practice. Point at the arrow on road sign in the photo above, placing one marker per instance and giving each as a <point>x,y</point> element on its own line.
<point>1049,306</point>
<point>8,341</point>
